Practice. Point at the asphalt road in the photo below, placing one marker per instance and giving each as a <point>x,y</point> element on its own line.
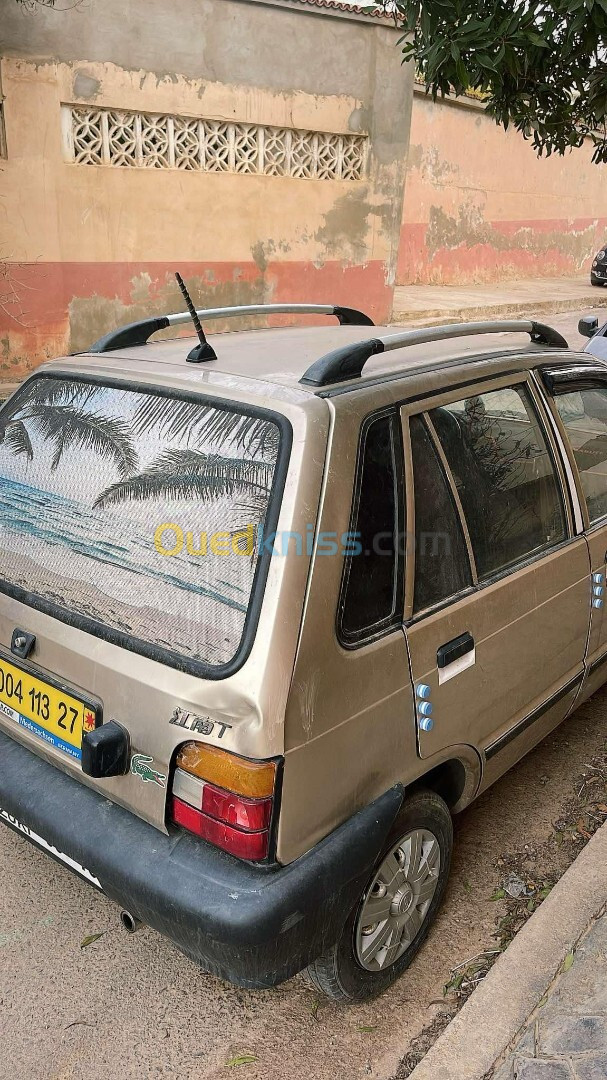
<point>129,1006</point>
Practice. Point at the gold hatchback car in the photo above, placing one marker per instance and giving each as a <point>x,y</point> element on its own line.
<point>275,606</point>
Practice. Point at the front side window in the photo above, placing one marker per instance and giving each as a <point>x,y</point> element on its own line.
<point>504,475</point>
<point>136,513</point>
<point>370,589</point>
<point>442,568</point>
<point>584,416</point>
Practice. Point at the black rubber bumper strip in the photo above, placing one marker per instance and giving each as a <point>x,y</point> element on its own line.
<point>254,927</point>
<point>522,725</point>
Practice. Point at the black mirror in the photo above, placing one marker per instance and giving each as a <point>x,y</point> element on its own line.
<point>588,325</point>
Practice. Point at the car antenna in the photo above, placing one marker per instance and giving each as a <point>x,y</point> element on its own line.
<point>204,351</point>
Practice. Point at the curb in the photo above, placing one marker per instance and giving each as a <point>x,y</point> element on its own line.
<point>433,316</point>
<point>497,1010</point>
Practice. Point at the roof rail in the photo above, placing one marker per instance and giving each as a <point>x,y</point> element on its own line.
<point>348,361</point>
<point>137,333</point>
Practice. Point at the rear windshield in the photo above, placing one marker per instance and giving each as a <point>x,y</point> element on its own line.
<point>136,514</point>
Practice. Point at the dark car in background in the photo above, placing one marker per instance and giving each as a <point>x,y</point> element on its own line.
<point>598,272</point>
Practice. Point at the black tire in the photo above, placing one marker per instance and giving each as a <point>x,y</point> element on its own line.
<point>596,281</point>
<point>338,974</point>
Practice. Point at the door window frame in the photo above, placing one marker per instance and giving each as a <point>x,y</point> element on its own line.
<point>597,378</point>
<point>409,617</point>
<point>423,408</point>
<point>392,622</point>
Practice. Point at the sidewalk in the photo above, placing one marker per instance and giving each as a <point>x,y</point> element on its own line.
<point>567,1038</point>
<point>541,1012</point>
<point>428,304</point>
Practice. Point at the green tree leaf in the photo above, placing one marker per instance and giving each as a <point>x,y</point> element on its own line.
<point>90,938</point>
<point>462,73</point>
<point>568,961</point>
<point>540,67</point>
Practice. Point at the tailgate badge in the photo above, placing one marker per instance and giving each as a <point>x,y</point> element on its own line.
<point>22,643</point>
<point>202,724</point>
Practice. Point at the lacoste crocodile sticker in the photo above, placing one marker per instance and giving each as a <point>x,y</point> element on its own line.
<point>140,766</point>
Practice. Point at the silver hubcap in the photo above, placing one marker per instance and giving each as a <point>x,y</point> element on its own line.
<point>397,901</point>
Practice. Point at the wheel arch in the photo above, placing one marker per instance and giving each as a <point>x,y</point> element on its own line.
<point>455,776</point>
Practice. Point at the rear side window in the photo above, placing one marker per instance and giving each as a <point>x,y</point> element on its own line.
<point>504,475</point>
<point>135,514</point>
<point>442,567</point>
<point>370,599</point>
<point>584,416</point>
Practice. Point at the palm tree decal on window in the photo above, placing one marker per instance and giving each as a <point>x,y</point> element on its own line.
<point>57,410</point>
<point>89,471</point>
<point>189,473</point>
<point>182,474</point>
<point>257,439</point>
<point>60,411</point>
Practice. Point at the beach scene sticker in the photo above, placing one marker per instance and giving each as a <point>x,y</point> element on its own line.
<point>88,474</point>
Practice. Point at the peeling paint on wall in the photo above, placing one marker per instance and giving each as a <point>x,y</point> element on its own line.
<point>451,251</point>
<point>86,87</point>
<point>480,206</point>
<point>65,307</point>
<point>435,169</point>
<point>345,229</point>
<point>469,229</point>
<point>87,314</point>
<point>102,244</point>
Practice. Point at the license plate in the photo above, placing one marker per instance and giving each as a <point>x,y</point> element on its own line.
<point>46,709</point>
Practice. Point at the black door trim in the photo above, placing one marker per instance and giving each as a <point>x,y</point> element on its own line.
<point>596,664</point>
<point>518,729</point>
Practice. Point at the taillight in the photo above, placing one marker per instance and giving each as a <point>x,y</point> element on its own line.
<point>253,778</point>
<point>250,814</point>
<point>224,799</point>
<point>245,845</point>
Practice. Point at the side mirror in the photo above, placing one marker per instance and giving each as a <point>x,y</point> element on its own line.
<point>588,325</point>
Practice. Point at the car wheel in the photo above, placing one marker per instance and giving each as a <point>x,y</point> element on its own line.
<point>392,918</point>
<point>595,281</point>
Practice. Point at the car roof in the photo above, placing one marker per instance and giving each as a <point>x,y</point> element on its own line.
<point>281,355</point>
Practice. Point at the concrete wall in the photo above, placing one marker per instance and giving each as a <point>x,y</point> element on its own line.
<point>87,247</point>
<point>480,206</point>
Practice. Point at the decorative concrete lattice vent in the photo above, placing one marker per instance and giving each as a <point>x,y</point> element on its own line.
<point>159,141</point>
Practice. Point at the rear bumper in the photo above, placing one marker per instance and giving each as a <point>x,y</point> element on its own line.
<point>252,926</point>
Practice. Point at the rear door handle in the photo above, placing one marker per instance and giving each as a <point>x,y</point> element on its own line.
<point>459,646</point>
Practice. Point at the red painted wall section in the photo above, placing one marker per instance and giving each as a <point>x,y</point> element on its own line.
<point>49,309</point>
<point>93,241</point>
<point>481,206</point>
<point>516,249</point>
